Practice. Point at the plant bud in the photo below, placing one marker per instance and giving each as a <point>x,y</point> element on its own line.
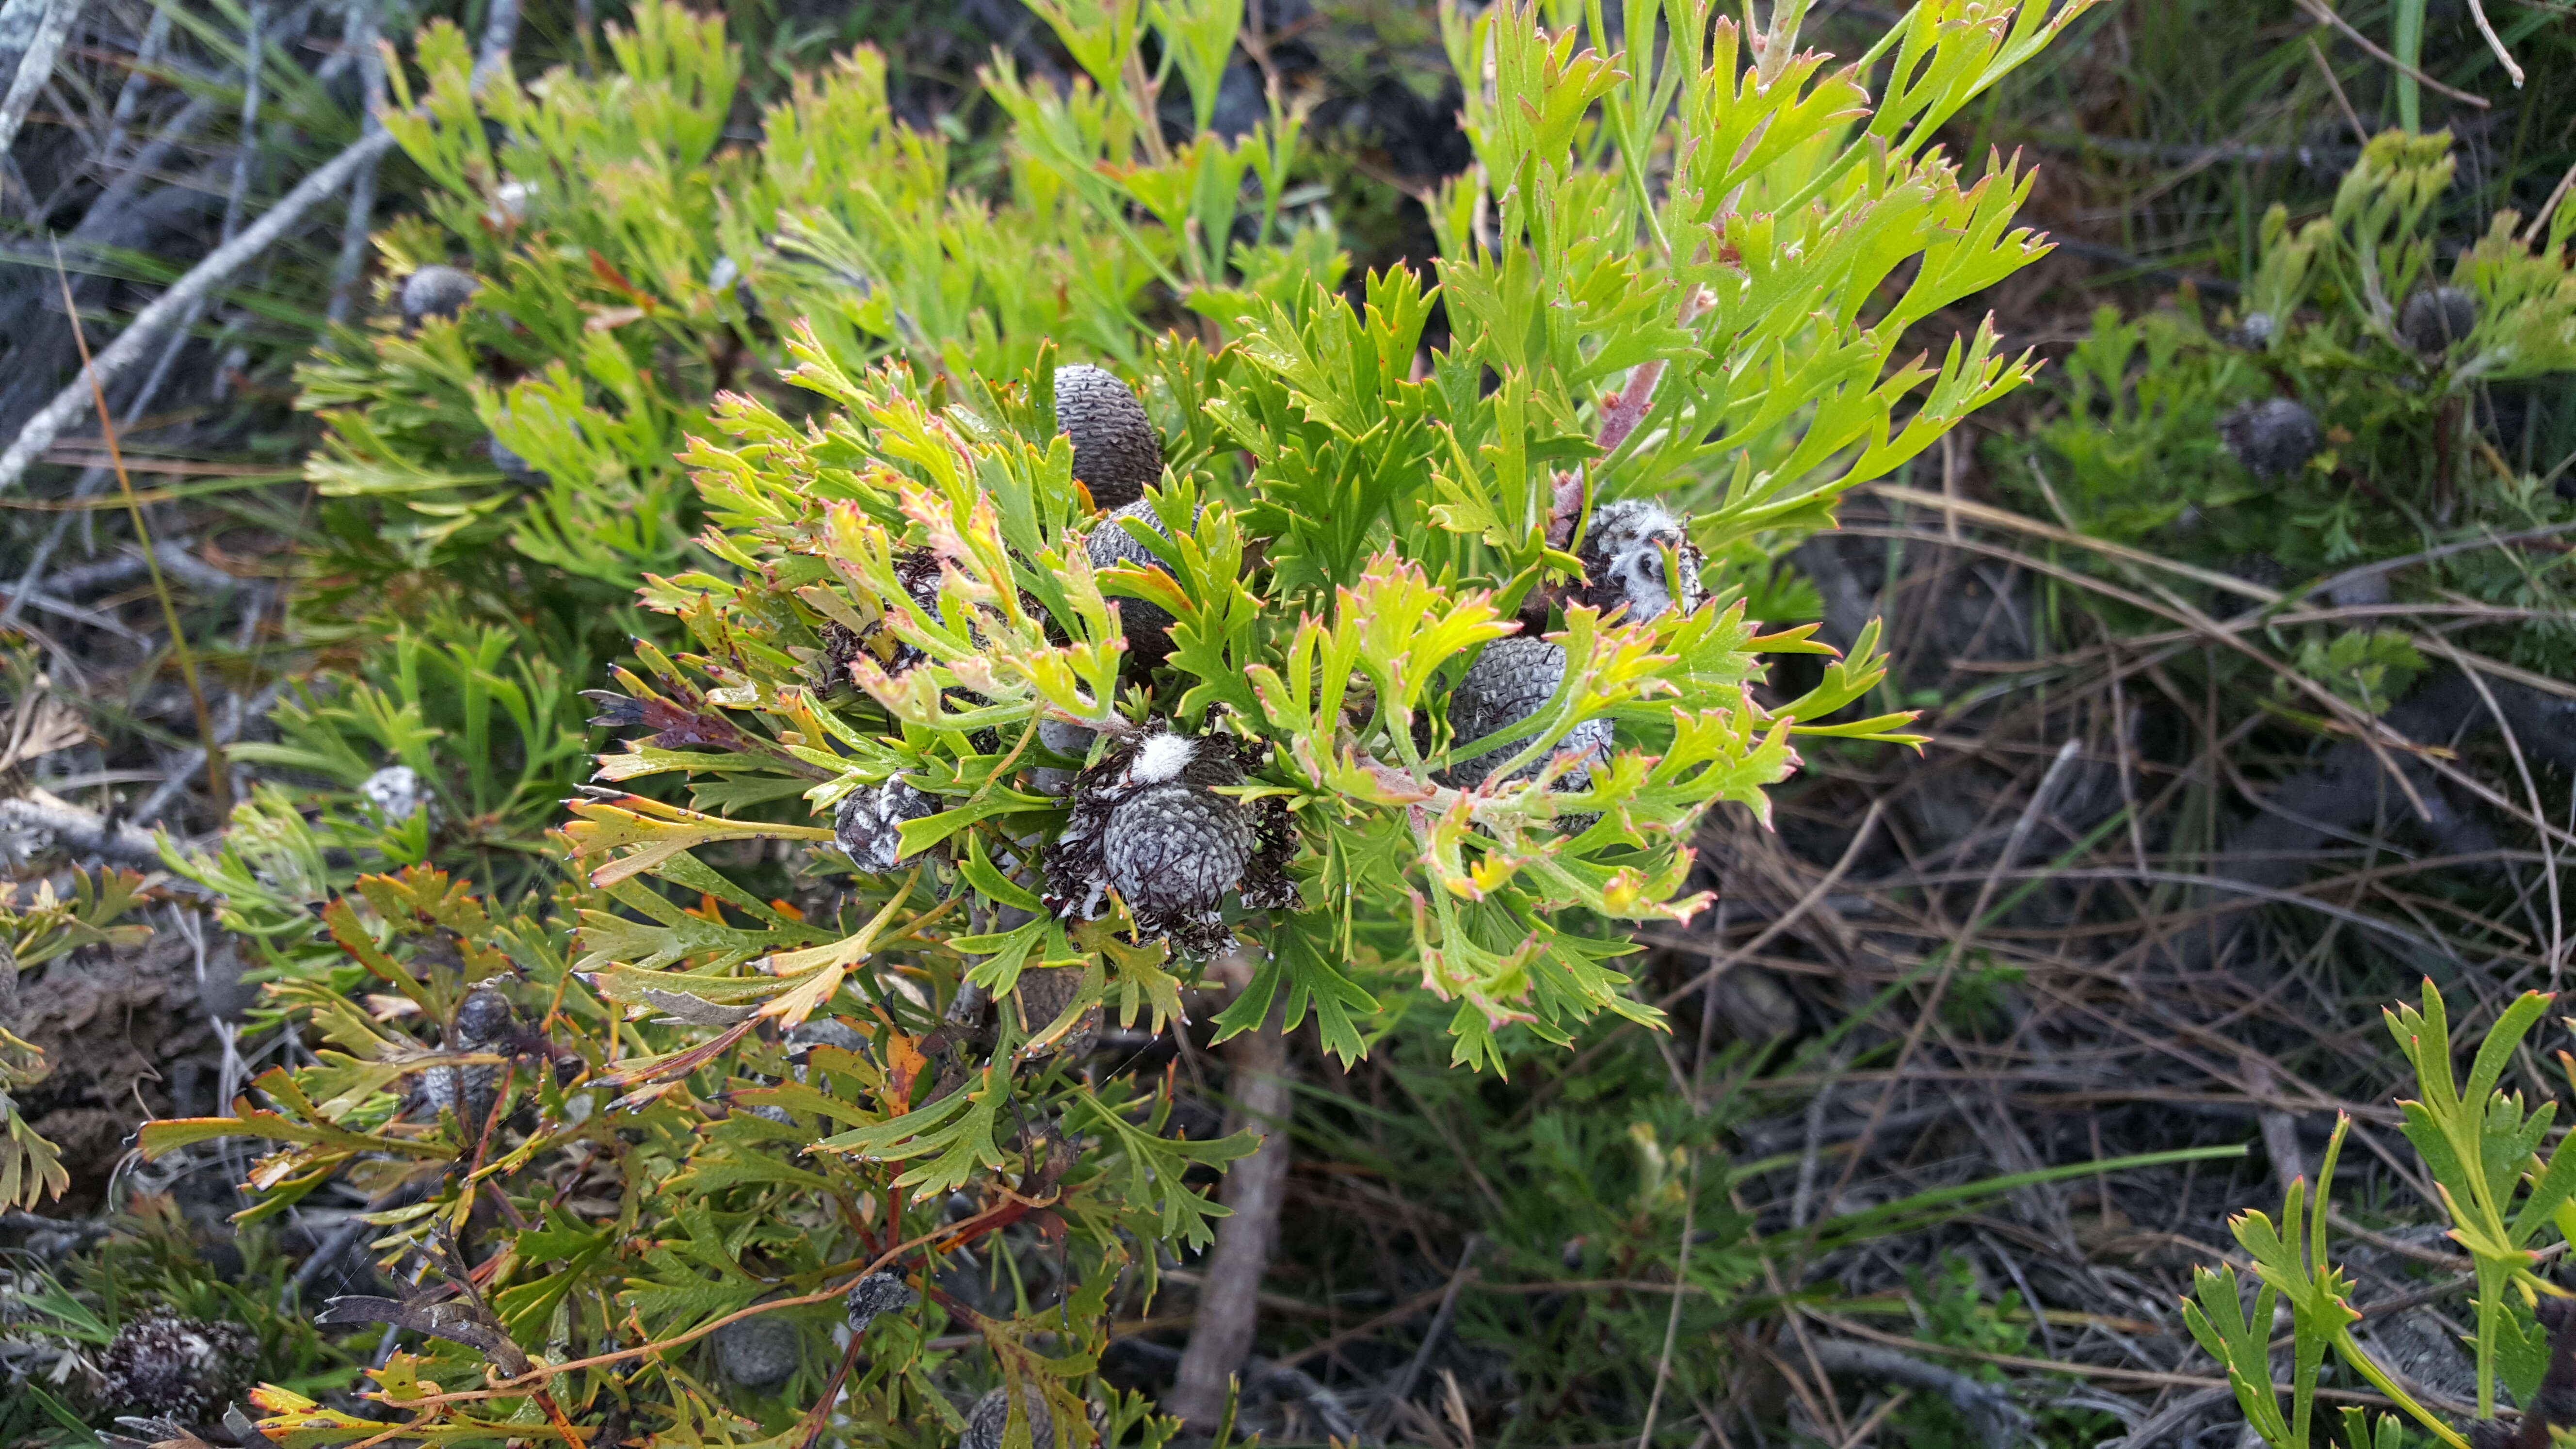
<point>1115,452</point>
<point>435,291</point>
<point>2437,319</point>
<point>509,204</point>
<point>1623,561</point>
<point>1148,824</point>
<point>879,1293</point>
<point>757,1353</point>
<point>870,823</point>
<point>1512,680</point>
<point>178,1368</point>
<point>991,1416</point>
<point>2271,438</point>
<point>1148,625</point>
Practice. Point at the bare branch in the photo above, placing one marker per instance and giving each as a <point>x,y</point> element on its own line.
<point>1230,1295</point>
<point>35,67</point>
<point>219,266</point>
<point>74,829</point>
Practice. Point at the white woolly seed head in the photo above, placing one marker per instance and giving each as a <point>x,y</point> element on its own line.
<point>1161,758</point>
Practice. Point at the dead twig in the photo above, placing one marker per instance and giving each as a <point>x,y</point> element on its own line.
<point>184,296</point>
<point>2323,14</point>
<point>219,266</point>
<point>2495,43</point>
<point>1402,1389</point>
<point>359,39</point>
<point>77,830</point>
<point>53,22</point>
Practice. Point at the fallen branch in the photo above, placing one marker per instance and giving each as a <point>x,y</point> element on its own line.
<point>183,295</point>
<point>193,289</point>
<point>77,830</point>
<point>1989,1407</point>
<point>35,67</point>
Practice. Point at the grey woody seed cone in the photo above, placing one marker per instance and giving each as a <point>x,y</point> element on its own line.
<point>991,1415</point>
<point>514,467</point>
<point>1148,824</point>
<point>2437,319</point>
<point>1070,740</point>
<point>178,1368</point>
<point>1148,625</point>
<point>435,291</point>
<point>484,1022</point>
<point>1174,849</point>
<point>1115,452</point>
<point>1042,994</point>
<point>757,1353</point>
<point>877,1294</point>
<point>2272,437</point>
<point>1508,683</point>
<point>1623,561</point>
<point>870,822</point>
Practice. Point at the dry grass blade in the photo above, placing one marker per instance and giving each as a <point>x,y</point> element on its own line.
<point>218,784</point>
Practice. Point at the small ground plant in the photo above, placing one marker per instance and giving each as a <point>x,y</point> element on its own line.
<point>2369,431</point>
<point>1029,669</point>
<point>2509,1204</point>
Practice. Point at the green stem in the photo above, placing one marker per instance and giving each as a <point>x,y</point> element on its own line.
<point>2407,44</point>
<point>2362,1363</point>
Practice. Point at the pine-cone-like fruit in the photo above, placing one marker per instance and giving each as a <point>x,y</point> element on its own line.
<point>918,571</point>
<point>513,467</point>
<point>2272,437</point>
<point>870,823</point>
<point>1623,561</point>
<point>484,1023</point>
<point>484,1019</point>
<point>1148,625</point>
<point>1148,824</point>
<point>1040,996</point>
<point>436,290</point>
<point>757,1353</point>
<point>1508,683</point>
<point>178,1368</point>
<point>1072,741</point>
<point>879,1293</point>
<point>991,1415</point>
<point>2437,319</point>
<point>1115,452</point>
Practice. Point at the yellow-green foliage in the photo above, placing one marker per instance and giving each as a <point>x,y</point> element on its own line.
<point>1678,278</point>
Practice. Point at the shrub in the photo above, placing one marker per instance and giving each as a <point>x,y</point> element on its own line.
<point>1454,647</point>
<point>2360,405</point>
